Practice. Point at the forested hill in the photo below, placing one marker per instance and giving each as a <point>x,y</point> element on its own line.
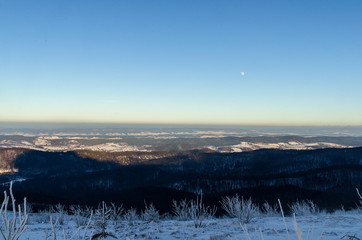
<point>87,176</point>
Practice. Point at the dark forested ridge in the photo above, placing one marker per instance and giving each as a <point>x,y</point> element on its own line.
<point>329,176</point>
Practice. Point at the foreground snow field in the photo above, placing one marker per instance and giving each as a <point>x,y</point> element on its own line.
<point>338,225</point>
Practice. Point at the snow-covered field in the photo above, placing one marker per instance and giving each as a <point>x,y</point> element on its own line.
<point>338,225</point>
<point>191,220</point>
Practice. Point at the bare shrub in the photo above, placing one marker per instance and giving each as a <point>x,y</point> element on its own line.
<point>80,214</point>
<point>243,210</point>
<point>80,233</point>
<point>150,214</point>
<point>131,216</point>
<point>181,210</point>
<point>297,230</point>
<point>116,211</point>
<point>58,211</point>
<point>270,210</point>
<point>304,208</point>
<point>12,227</point>
<point>198,212</point>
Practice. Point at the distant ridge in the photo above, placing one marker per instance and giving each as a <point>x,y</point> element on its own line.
<point>75,176</point>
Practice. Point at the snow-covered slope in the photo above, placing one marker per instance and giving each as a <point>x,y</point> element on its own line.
<point>248,146</point>
<point>69,143</point>
<point>334,226</point>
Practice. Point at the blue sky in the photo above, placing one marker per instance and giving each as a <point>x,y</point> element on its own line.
<point>180,62</point>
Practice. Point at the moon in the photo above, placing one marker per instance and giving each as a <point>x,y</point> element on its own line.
<point>242,73</point>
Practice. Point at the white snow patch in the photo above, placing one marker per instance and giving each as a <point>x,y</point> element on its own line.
<point>41,141</point>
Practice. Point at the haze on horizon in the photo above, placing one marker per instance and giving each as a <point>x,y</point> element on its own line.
<point>181,62</point>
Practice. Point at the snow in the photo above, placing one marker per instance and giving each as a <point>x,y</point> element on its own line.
<point>247,146</point>
<point>41,141</point>
<point>321,226</point>
<point>52,137</point>
<point>73,141</point>
<point>111,147</point>
<point>42,144</point>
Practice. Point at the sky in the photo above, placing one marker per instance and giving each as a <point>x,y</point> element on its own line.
<point>183,62</point>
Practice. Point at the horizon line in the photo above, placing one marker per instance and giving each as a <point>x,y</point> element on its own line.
<point>182,124</point>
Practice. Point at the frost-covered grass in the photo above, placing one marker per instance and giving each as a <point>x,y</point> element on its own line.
<point>190,220</point>
<point>243,210</point>
<point>319,226</point>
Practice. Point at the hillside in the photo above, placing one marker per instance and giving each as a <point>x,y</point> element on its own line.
<point>329,176</point>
